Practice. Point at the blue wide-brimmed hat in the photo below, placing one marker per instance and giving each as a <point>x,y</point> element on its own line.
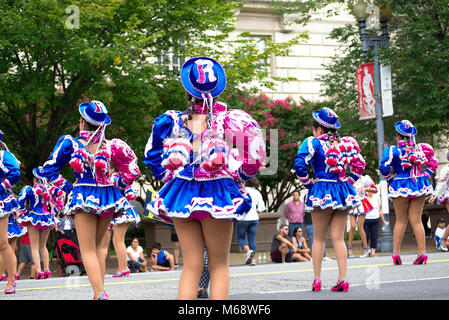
<point>39,173</point>
<point>327,118</point>
<point>406,128</point>
<point>95,113</point>
<point>203,76</point>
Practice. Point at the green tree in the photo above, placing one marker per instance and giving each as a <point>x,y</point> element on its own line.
<point>418,54</point>
<point>56,54</point>
<point>292,123</point>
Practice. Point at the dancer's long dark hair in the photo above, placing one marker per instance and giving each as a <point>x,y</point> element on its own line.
<point>329,131</point>
<point>191,101</point>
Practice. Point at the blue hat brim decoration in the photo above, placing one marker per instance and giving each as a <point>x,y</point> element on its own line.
<point>199,85</point>
<point>39,173</point>
<point>318,116</point>
<point>83,109</point>
<point>404,129</point>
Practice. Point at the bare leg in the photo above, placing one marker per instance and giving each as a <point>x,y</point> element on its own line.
<point>34,242</point>
<point>283,248</point>
<point>102,226</point>
<point>360,222</point>
<point>352,224</point>
<point>337,233</point>
<point>2,265</point>
<point>415,212</point>
<point>401,206</point>
<point>218,236</point>
<point>6,252</point>
<point>320,219</point>
<point>104,246</point>
<point>20,268</point>
<point>176,250</point>
<point>191,239</point>
<point>13,244</point>
<point>119,244</point>
<point>43,237</point>
<point>299,257</point>
<point>90,231</point>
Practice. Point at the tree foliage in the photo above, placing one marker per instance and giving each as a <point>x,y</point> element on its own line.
<point>286,124</point>
<point>418,53</point>
<point>56,54</point>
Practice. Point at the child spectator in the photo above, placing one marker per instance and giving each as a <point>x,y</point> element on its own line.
<point>439,232</point>
<point>162,259</point>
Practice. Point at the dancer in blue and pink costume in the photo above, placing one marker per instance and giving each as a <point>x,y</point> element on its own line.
<point>94,200</point>
<point>44,203</point>
<point>442,195</point>
<point>409,185</point>
<point>9,176</point>
<point>331,195</point>
<point>190,151</point>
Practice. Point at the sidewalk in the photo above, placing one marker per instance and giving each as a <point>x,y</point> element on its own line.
<point>407,247</point>
<point>238,258</point>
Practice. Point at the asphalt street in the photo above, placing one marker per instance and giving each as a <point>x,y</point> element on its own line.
<point>370,279</point>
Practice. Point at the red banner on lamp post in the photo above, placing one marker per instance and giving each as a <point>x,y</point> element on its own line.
<point>365,88</point>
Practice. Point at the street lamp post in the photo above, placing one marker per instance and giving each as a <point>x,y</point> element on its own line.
<point>372,41</point>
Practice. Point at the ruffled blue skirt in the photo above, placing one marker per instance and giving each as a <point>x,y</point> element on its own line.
<point>444,197</point>
<point>130,215</point>
<point>38,219</point>
<point>339,195</point>
<point>221,198</point>
<point>410,187</point>
<point>8,204</point>
<point>15,230</point>
<point>102,201</point>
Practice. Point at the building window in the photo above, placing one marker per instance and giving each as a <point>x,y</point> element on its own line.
<point>260,43</point>
<point>172,59</point>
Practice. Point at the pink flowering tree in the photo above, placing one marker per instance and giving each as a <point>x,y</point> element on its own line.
<point>293,122</point>
<point>286,124</point>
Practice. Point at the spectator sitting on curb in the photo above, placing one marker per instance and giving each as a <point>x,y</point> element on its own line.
<point>300,246</point>
<point>281,247</point>
<point>162,259</point>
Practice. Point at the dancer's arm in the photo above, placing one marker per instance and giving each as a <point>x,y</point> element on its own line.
<point>125,160</point>
<point>61,155</point>
<point>431,162</point>
<point>356,163</point>
<point>302,161</point>
<point>244,133</point>
<point>442,183</point>
<point>154,149</point>
<point>26,194</point>
<point>388,156</point>
<point>11,171</point>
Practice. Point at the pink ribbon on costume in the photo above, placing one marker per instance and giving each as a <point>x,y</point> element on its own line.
<point>86,135</point>
<point>202,77</point>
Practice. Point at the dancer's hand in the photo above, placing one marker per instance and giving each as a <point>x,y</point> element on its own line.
<point>432,199</point>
